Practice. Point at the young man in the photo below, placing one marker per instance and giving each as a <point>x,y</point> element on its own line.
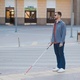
<point>58,39</point>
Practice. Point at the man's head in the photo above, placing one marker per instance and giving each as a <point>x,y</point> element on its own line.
<point>57,15</point>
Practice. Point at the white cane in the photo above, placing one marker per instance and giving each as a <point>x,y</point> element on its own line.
<point>37,60</point>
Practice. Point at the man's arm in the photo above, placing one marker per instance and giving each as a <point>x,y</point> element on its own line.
<point>63,34</point>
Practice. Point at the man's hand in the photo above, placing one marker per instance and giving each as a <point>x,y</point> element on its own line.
<point>61,44</point>
<point>51,44</point>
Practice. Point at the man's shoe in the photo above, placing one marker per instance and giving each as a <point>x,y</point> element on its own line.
<point>61,70</point>
<point>55,69</point>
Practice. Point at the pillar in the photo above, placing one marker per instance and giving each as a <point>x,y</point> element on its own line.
<point>41,12</point>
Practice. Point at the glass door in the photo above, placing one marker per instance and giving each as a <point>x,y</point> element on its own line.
<point>9,15</point>
<point>50,15</point>
<point>30,16</point>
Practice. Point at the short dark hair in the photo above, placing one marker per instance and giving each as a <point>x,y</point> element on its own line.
<point>59,13</point>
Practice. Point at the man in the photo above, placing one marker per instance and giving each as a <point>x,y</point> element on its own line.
<point>58,39</point>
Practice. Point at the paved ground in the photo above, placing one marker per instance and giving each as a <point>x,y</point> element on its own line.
<point>18,51</point>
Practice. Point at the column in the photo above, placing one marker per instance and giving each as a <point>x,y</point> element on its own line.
<point>20,12</point>
<point>41,12</point>
<point>77,12</point>
<point>2,11</point>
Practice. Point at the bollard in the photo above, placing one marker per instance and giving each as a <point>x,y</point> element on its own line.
<point>78,36</point>
<point>18,42</point>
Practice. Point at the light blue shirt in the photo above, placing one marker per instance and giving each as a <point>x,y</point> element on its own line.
<point>60,32</point>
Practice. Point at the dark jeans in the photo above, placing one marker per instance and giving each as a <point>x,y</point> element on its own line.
<point>59,51</point>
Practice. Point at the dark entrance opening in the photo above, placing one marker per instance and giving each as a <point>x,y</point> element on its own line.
<point>30,15</point>
<point>50,15</point>
<point>9,15</point>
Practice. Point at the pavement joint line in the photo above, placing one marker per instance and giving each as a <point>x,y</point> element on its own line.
<point>34,44</point>
<point>49,73</point>
<point>45,73</point>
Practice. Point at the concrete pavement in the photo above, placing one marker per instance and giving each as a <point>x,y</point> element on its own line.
<point>15,60</point>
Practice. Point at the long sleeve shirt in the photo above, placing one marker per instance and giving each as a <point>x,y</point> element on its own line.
<point>60,32</point>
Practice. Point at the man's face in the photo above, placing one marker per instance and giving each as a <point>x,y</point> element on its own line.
<point>56,16</point>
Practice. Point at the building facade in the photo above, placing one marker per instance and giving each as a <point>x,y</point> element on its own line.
<point>39,12</point>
